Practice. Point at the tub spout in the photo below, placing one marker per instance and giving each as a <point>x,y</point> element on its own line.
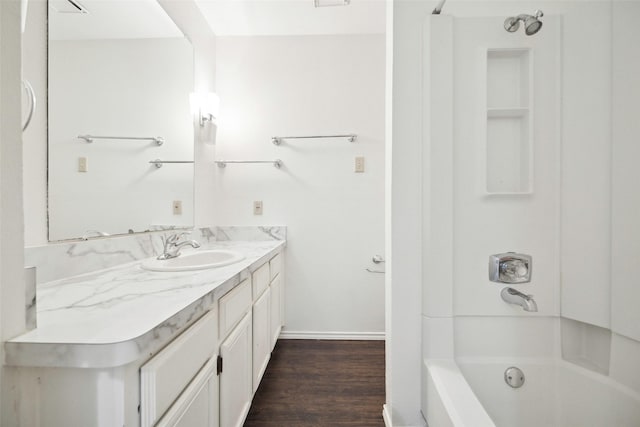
<point>512,296</point>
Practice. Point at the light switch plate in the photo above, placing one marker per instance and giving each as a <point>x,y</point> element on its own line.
<point>359,164</point>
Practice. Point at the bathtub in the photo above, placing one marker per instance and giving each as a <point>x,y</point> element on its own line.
<point>472,392</point>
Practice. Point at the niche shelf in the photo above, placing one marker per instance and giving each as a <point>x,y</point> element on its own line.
<point>508,123</point>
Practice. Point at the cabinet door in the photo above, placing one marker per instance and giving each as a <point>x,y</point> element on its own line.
<point>168,373</point>
<point>197,406</point>
<point>200,413</point>
<point>261,336</point>
<point>276,310</point>
<point>236,376</point>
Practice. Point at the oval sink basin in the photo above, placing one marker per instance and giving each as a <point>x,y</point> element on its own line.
<point>194,261</point>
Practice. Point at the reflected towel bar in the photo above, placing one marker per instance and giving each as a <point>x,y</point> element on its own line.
<point>159,162</point>
<point>223,163</point>
<point>277,140</point>
<point>89,138</point>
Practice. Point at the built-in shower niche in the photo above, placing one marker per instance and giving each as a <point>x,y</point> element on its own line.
<point>509,158</point>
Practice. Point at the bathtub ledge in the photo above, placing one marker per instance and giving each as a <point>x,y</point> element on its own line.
<point>448,399</point>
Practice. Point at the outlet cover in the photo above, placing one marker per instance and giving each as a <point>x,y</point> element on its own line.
<point>177,207</point>
<point>83,164</point>
<point>257,207</point>
<point>359,165</point>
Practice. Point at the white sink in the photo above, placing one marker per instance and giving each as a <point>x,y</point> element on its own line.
<point>199,260</point>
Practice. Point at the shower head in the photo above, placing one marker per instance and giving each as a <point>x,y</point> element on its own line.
<point>531,23</point>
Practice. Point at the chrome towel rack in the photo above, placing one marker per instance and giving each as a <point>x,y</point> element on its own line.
<point>158,163</point>
<point>223,163</point>
<point>157,139</point>
<point>277,140</point>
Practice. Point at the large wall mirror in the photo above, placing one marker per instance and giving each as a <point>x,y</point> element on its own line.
<point>120,74</point>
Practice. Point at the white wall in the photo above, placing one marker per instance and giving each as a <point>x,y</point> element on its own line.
<point>12,291</point>
<point>125,87</point>
<point>309,85</point>
<point>625,232</point>
<point>586,165</point>
<point>404,211</point>
<point>193,25</point>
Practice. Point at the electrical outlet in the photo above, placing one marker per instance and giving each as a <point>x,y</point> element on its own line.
<point>177,207</point>
<point>83,165</point>
<point>257,207</point>
<point>359,164</point>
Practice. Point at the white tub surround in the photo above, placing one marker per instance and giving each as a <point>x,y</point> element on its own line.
<point>114,316</point>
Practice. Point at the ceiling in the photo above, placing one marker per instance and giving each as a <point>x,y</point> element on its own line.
<point>109,19</point>
<point>292,17</point>
<point>118,19</point>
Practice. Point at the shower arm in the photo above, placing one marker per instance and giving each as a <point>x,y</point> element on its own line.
<point>438,8</point>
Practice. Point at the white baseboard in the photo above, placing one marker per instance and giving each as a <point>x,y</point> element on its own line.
<point>313,335</point>
<point>386,416</point>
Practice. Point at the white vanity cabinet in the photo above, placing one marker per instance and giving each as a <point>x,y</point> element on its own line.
<point>199,368</point>
<point>177,386</point>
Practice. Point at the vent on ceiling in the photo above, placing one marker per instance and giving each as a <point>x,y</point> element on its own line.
<point>67,6</point>
<point>323,3</point>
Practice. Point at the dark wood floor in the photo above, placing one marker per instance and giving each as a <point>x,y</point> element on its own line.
<point>319,383</point>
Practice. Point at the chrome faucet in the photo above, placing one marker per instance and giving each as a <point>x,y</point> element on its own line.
<point>512,296</point>
<point>172,246</point>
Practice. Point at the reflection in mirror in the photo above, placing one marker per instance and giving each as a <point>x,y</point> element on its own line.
<point>120,74</point>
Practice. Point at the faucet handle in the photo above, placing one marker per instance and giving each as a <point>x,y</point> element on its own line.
<point>173,238</point>
<point>510,268</point>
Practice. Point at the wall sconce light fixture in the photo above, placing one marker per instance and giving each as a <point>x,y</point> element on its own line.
<point>206,105</point>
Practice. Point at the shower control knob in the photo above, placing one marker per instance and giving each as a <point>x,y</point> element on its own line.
<point>510,267</point>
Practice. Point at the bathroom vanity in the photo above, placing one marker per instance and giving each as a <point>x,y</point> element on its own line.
<point>125,346</point>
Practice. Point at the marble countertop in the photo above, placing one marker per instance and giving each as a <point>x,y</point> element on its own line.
<point>114,316</point>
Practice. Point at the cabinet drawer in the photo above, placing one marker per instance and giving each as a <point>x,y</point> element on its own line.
<point>260,279</point>
<point>168,373</point>
<point>275,265</point>
<point>233,305</point>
